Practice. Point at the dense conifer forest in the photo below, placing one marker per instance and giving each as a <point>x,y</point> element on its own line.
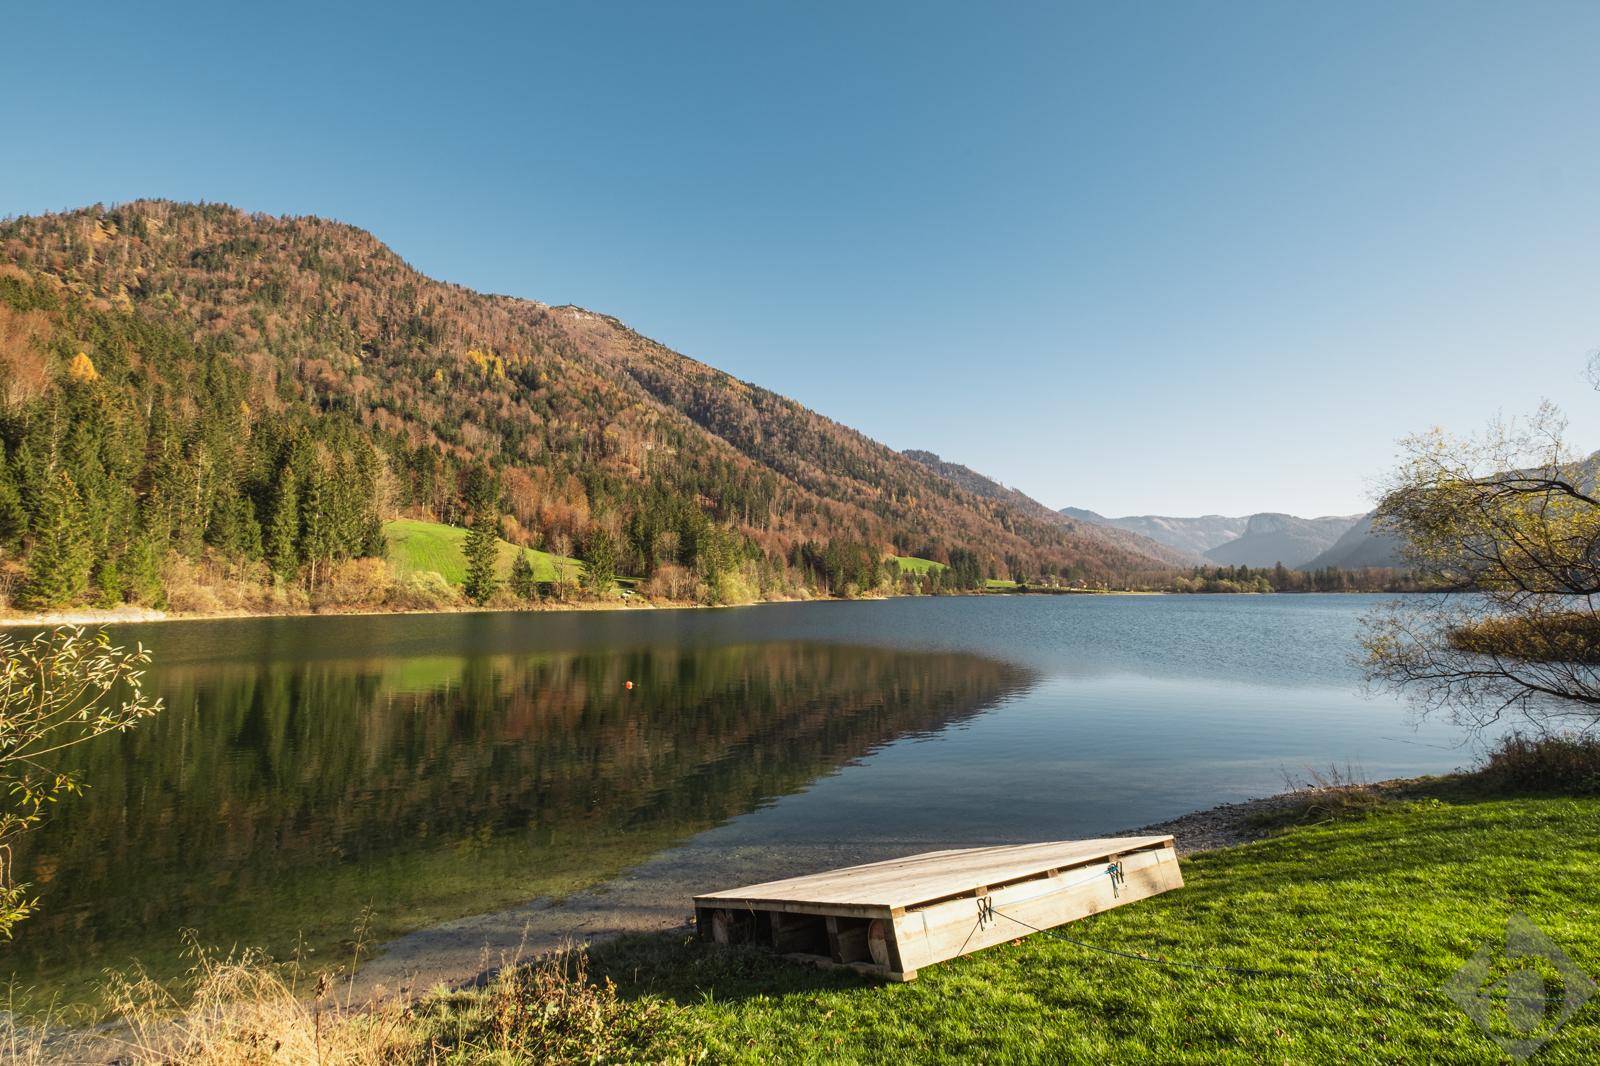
<point>203,408</point>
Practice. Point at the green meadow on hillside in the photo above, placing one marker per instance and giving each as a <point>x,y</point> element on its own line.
<point>416,546</point>
<point>910,564</point>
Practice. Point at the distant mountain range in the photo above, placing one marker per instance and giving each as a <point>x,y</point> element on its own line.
<point>1359,546</point>
<point>1265,539</point>
<point>1193,535</point>
<point>1281,538</point>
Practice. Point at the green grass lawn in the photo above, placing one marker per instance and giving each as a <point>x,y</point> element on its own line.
<point>910,564</point>
<point>1389,903</point>
<point>415,546</point>
<point>999,583</point>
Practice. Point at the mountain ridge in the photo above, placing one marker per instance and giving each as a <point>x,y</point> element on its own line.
<point>1272,537</point>
<point>1357,547</point>
<point>1193,535</point>
<point>589,428</point>
<point>983,485</point>
<point>1262,539</point>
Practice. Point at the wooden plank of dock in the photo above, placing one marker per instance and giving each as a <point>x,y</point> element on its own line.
<point>894,916</point>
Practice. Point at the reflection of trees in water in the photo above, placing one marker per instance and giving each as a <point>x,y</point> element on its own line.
<point>256,777</point>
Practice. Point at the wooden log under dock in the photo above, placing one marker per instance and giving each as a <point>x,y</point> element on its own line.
<point>892,918</point>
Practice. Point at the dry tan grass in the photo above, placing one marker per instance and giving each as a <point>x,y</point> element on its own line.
<point>1321,795</point>
<point>243,1009</point>
<point>237,1008</point>
<point>553,1011</point>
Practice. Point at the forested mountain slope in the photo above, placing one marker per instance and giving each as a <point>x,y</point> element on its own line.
<point>988,488</point>
<point>195,380</point>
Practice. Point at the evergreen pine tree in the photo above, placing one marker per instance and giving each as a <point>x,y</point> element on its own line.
<point>59,560</point>
<point>13,517</point>
<point>374,542</point>
<point>316,523</point>
<point>481,549</point>
<point>247,530</point>
<point>283,525</point>
<point>599,563</point>
<point>141,571</point>
<point>233,526</point>
<point>108,581</point>
<point>523,583</point>
<point>369,493</point>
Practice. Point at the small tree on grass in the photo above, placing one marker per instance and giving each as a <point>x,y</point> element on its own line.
<point>57,690</point>
<point>482,549</point>
<point>524,583</point>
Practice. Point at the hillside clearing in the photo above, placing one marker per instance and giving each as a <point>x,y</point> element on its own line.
<point>910,564</point>
<point>416,546</point>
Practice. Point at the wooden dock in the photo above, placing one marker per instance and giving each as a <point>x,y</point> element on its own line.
<point>892,918</point>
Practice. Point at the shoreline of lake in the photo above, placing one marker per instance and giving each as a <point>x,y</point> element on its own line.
<point>433,960</point>
<point>93,616</point>
<point>144,615</point>
<point>654,897</point>
<point>426,768</point>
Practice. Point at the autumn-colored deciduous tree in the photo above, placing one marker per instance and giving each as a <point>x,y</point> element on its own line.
<point>1506,529</point>
<point>24,366</point>
<point>82,368</point>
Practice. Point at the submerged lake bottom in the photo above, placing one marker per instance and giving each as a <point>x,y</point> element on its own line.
<point>481,783</point>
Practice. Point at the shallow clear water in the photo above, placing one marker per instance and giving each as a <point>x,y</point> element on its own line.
<point>432,766</point>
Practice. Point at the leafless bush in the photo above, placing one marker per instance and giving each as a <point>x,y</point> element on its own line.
<point>356,583</point>
<point>670,582</point>
<point>1557,763</point>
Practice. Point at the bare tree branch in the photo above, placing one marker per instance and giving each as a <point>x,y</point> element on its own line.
<point>1509,523</point>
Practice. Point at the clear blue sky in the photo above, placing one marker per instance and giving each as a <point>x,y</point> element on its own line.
<point>1141,258</point>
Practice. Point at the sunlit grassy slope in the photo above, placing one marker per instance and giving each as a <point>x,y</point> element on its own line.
<point>415,546</point>
<point>910,564</point>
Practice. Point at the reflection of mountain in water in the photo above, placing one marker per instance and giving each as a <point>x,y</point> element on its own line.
<point>282,798</point>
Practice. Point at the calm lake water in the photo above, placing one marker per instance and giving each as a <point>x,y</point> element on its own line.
<point>428,767</point>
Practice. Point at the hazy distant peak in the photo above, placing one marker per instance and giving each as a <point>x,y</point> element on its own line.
<point>1191,535</point>
<point>1260,539</point>
<point>1273,537</point>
